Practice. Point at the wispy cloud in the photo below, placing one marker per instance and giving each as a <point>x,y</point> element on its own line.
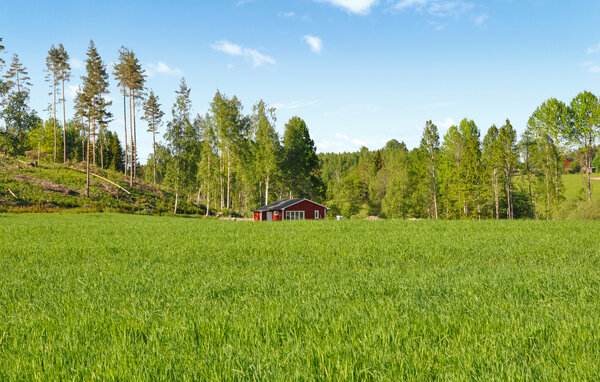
<point>295,104</point>
<point>286,15</point>
<point>339,143</point>
<point>360,7</point>
<point>441,8</point>
<point>591,66</point>
<point>161,68</point>
<point>76,63</point>
<point>71,91</point>
<point>445,124</point>
<point>481,19</point>
<point>594,49</point>
<point>315,43</point>
<point>257,58</point>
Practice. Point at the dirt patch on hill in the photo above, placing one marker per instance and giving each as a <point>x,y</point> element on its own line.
<point>47,185</point>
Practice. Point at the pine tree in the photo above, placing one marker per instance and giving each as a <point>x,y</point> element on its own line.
<point>181,138</point>
<point>64,75</point>
<point>18,76</point>
<point>121,75</point>
<point>153,116</point>
<point>130,75</point>
<point>95,86</point>
<point>52,69</point>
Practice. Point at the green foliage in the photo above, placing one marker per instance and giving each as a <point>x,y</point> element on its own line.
<point>301,164</point>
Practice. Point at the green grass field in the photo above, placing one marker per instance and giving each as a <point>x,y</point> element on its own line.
<point>104,296</point>
<point>575,186</point>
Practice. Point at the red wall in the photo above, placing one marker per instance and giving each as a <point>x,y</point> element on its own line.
<point>309,209</point>
<point>307,206</point>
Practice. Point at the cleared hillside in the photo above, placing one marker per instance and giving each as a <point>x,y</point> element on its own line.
<point>26,187</point>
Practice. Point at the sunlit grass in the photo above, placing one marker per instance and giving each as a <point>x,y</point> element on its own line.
<point>120,296</point>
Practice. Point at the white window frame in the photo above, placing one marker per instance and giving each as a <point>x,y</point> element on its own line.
<point>294,215</point>
<point>316,214</point>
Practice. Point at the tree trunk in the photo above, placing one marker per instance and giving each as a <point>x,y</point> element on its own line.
<point>588,165</point>
<point>82,140</point>
<point>208,188</point>
<point>228,179</point>
<point>125,125</point>
<point>154,148</point>
<point>134,144</point>
<point>260,193</point>
<point>87,161</point>
<point>176,200</point>
<point>94,141</point>
<point>101,148</point>
<point>267,190</point>
<point>221,174</point>
<point>131,137</point>
<point>496,193</point>
<point>64,124</point>
<point>54,111</point>
<point>530,194</point>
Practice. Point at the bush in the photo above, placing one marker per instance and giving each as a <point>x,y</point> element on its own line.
<point>573,209</point>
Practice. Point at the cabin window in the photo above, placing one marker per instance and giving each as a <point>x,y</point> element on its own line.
<point>316,214</point>
<point>294,215</point>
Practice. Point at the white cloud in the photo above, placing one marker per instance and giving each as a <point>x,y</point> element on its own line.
<point>161,68</point>
<point>339,143</point>
<point>258,59</point>
<point>228,48</point>
<point>361,7</point>
<point>594,49</point>
<point>445,124</point>
<point>315,43</point>
<point>479,20</point>
<point>286,15</point>
<point>439,8</point>
<point>295,104</point>
<point>591,66</point>
<point>71,91</point>
<point>354,141</point>
<point>76,63</point>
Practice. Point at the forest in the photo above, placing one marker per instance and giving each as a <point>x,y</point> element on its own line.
<point>228,161</point>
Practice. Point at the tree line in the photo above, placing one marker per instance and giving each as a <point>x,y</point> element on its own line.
<point>462,176</point>
<point>227,161</point>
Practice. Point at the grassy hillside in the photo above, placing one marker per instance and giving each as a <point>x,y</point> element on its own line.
<point>576,188</point>
<point>51,186</point>
<point>104,296</point>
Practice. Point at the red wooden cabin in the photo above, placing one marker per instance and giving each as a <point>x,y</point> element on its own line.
<point>291,209</point>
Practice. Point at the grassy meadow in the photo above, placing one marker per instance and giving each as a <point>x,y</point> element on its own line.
<point>106,296</point>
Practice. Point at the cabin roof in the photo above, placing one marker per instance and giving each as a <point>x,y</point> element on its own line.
<point>283,203</point>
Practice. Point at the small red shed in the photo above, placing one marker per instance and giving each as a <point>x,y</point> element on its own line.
<point>291,209</point>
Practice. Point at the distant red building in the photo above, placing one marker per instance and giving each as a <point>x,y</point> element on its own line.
<point>291,209</point>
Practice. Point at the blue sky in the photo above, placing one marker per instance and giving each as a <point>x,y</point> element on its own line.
<point>360,72</point>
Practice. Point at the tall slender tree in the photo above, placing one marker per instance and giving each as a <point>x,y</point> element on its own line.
<point>64,75</point>
<point>507,139</point>
<point>429,152</point>
<point>583,120</point>
<point>95,86</point>
<point>18,76</point>
<point>52,69</point>
<point>153,116</point>
<point>267,148</point>
<point>121,75</point>
<point>181,138</point>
